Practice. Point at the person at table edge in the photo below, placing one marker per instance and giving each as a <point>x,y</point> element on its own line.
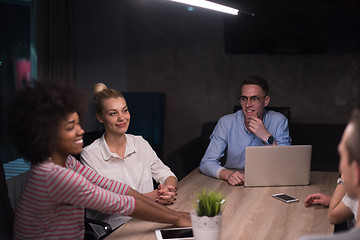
<point>349,166</point>
<point>251,126</point>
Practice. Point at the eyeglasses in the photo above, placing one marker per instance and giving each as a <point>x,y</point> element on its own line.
<point>253,99</point>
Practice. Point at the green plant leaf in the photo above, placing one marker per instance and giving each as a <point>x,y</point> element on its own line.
<point>209,203</point>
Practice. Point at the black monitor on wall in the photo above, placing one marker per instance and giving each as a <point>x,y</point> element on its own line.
<point>294,27</point>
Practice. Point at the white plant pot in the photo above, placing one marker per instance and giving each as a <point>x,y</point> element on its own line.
<point>206,228</point>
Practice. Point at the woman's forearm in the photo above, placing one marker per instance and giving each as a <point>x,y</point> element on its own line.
<point>149,210</point>
<point>171,181</point>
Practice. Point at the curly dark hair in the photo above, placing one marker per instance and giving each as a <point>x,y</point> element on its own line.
<point>35,114</point>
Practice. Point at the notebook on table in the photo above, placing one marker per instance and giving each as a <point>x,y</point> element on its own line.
<point>277,165</point>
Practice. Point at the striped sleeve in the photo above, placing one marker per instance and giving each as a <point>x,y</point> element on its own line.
<point>68,186</point>
<point>97,179</point>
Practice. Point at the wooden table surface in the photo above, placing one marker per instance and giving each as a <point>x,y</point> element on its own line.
<point>249,213</point>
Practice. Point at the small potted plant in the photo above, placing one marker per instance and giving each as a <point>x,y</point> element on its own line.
<point>206,218</point>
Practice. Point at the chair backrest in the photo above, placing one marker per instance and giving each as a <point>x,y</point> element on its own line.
<point>147,110</point>
<point>16,186</point>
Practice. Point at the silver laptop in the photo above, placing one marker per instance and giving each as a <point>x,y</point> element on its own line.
<point>277,165</point>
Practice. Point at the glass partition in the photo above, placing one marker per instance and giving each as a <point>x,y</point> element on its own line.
<point>15,67</point>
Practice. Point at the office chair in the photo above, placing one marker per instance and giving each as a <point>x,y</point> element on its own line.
<point>6,211</point>
<point>96,230</point>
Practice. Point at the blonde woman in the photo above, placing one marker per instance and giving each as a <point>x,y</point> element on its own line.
<point>125,157</point>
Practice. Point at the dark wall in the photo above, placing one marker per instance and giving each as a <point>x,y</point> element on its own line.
<point>100,40</point>
<point>294,27</point>
<point>181,53</point>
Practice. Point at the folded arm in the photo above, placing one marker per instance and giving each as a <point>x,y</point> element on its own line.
<point>338,211</point>
<point>139,206</point>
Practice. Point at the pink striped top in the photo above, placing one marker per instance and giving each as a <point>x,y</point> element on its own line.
<point>53,201</point>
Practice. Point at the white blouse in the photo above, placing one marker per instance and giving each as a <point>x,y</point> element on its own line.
<point>351,203</point>
<point>137,169</point>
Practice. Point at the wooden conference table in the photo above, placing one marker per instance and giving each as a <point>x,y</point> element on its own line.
<point>249,213</point>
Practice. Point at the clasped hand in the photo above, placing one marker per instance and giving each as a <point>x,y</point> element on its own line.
<point>166,194</point>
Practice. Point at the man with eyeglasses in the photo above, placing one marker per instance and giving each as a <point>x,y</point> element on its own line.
<point>251,126</point>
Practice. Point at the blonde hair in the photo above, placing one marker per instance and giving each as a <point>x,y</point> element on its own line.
<point>101,93</point>
<point>99,87</point>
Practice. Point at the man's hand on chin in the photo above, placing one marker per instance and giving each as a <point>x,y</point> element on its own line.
<point>257,127</point>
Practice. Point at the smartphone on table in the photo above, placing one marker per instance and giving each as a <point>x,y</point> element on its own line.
<point>285,198</point>
<point>174,233</point>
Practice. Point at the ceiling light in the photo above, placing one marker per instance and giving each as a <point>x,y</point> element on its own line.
<point>209,5</point>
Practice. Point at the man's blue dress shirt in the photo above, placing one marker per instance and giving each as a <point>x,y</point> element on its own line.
<point>231,135</point>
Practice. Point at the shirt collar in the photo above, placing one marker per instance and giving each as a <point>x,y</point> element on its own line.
<point>130,146</point>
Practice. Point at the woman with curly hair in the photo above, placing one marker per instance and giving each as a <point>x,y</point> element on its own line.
<point>45,128</point>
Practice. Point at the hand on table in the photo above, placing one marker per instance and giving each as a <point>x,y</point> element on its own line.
<point>317,199</point>
<point>236,178</point>
<point>166,194</point>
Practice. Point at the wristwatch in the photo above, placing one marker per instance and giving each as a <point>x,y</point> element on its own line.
<point>270,140</point>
